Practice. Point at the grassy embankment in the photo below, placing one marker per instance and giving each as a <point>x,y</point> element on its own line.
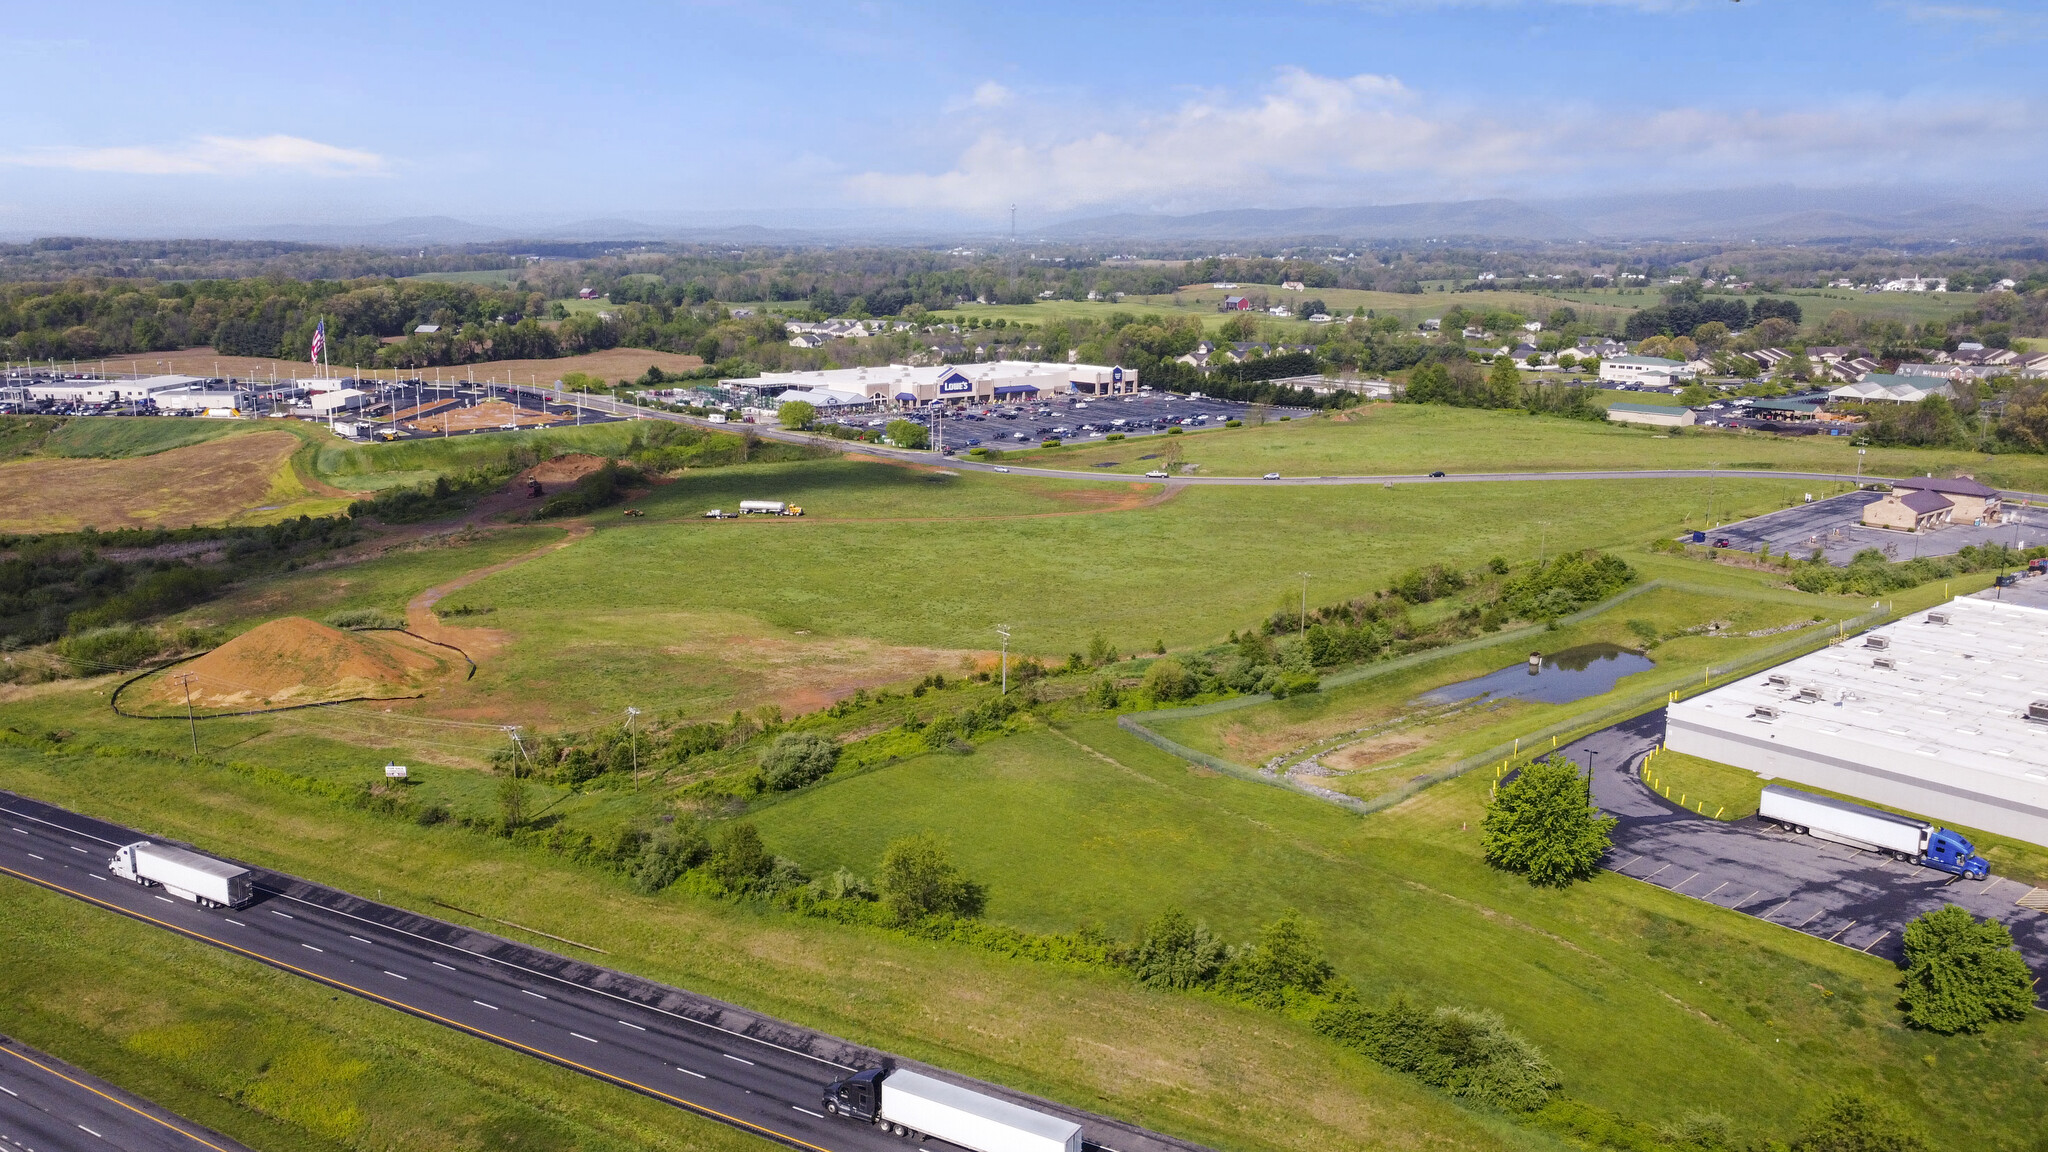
<point>1419,438</point>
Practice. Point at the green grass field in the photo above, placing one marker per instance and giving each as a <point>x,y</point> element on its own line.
<point>1411,438</point>
<point>489,277</point>
<point>377,466</point>
<point>112,438</point>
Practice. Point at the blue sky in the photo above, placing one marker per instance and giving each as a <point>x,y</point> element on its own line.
<point>153,117</point>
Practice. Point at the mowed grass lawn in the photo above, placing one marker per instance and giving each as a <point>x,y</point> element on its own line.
<point>1650,1004</point>
<point>906,558</point>
<point>1406,439</point>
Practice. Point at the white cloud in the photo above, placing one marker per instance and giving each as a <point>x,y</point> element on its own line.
<point>989,94</point>
<point>210,156</point>
<point>1319,139</point>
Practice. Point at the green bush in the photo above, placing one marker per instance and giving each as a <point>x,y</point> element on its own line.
<point>1114,436</point>
<point>739,860</point>
<point>1472,1055</point>
<point>1233,423</point>
<point>918,879</point>
<point>1178,952</point>
<point>1543,825</point>
<point>908,434</point>
<point>1852,1122</point>
<point>673,850</point>
<point>1168,679</point>
<point>798,758</point>
<point>365,618</point>
<point>1175,430</point>
<point>1962,973</point>
<point>117,648</point>
<point>796,413</point>
<point>1054,443</point>
<point>1288,958</point>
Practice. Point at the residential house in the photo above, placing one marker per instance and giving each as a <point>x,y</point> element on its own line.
<point>806,340</point>
<point>1915,284</point>
<point>1321,318</point>
<point>1279,310</point>
<point>1533,326</point>
<point>1601,347</point>
<point>1294,286</point>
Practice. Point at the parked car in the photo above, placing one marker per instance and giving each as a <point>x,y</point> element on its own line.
<point>1155,474</point>
<point>1000,468</point>
<point>1271,476</point>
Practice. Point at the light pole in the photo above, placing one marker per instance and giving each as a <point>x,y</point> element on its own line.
<point>1859,466</point>
<point>1003,630</point>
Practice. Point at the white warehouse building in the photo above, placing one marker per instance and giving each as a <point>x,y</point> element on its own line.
<point>998,381</point>
<point>1943,713</point>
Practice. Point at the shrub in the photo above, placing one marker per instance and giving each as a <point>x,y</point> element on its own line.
<point>120,647</point>
<point>908,434</point>
<point>1287,958</point>
<point>1542,824</point>
<point>1175,430</point>
<point>1054,443</point>
<point>798,758</point>
<point>1962,973</point>
<point>1233,423</point>
<point>364,618</point>
<point>671,851</point>
<point>1852,1122</point>
<point>919,879</point>
<point>739,860</point>
<point>1178,952</point>
<point>1168,679</point>
<point>1469,1054</point>
<point>1114,436</point>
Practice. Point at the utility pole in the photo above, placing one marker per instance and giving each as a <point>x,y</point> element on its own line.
<point>1859,466</point>
<point>185,681</point>
<point>1003,630</point>
<point>634,739</point>
<point>1304,604</point>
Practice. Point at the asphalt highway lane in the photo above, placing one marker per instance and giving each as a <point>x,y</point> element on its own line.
<point>748,1071</point>
<point>47,1105</point>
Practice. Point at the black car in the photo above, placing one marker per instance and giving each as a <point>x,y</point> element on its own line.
<point>1436,475</point>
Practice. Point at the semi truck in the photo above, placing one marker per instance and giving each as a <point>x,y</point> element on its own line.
<point>916,1107</point>
<point>203,880</point>
<point>768,508</point>
<point>1914,841</point>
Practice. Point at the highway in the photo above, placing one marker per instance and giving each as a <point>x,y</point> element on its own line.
<point>47,1105</point>
<point>712,1058</point>
<point>769,432</point>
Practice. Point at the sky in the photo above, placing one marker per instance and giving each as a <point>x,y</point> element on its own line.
<point>147,118</point>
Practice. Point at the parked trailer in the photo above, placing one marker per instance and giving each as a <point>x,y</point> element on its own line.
<point>1915,841</point>
<point>915,1107</point>
<point>205,881</point>
<point>768,508</point>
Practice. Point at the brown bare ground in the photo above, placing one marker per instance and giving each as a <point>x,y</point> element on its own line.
<point>611,364</point>
<point>293,660</point>
<point>198,484</point>
<point>1379,749</point>
<point>489,414</point>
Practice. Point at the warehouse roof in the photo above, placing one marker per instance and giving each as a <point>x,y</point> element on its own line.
<point>1954,682</point>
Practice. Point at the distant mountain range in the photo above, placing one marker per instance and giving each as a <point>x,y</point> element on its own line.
<point>1776,214</point>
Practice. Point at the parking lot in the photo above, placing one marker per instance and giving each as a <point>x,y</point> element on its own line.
<point>1835,526</point>
<point>1071,419</point>
<point>1861,900</point>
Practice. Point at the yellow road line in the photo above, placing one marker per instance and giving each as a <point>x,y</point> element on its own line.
<point>117,1100</point>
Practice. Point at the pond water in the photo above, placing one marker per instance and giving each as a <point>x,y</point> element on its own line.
<point>1563,676</point>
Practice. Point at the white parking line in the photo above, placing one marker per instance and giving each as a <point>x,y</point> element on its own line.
<point>394,975</point>
<point>532,993</point>
<point>1647,878</point>
<point>730,1056</point>
<point>1683,883</point>
<point>687,1072</point>
<point>310,948</point>
<point>808,1112</point>
<point>492,1007</point>
<point>634,1027</point>
<point>581,1036</point>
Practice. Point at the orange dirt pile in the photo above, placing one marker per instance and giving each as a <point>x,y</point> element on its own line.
<point>487,414</point>
<point>563,469</point>
<point>298,661</point>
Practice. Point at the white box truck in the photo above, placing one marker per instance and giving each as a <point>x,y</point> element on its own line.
<point>203,880</point>
<point>916,1107</point>
<point>1915,841</point>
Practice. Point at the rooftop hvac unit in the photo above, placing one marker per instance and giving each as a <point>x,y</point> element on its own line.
<point>1764,712</point>
<point>1885,662</point>
<point>2038,710</point>
<point>1878,642</point>
<point>1937,617</point>
<point>1780,681</point>
<point>1809,695</point>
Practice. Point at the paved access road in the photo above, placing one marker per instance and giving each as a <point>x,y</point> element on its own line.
<point>712,1058</point>
<point>47,1105</point>
<point>1858,899</point>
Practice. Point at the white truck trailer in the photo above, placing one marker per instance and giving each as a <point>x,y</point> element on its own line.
<point>203,880</point>
<point>1915,841</point>
<point>769,508</point>
<point>916,1107</point>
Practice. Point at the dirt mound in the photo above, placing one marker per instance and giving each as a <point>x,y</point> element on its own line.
<point>563,469</point>
<point>298,661</point>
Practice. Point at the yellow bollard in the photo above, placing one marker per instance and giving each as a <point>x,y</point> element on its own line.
<point>1681,799</point>
<point>1718,811</point>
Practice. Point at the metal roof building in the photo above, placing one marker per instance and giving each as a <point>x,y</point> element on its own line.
<point>1943,713</point>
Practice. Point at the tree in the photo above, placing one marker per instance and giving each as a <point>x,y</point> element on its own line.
<point>1178,951</point>
<point>1695,395</point>
<point>796,413</point>
<point>1288,957</point>
<point>740,860</point>
<point>512,802</point>
<point>798,758</point>
<point>1168,679</point>
<point>918,879</point>
<point>1852,1122</point>
<point>908,434</point>
<point>1542,824</point>
<point>1710,336</point>
<point>1962,973</point>
<point>1505,383</point>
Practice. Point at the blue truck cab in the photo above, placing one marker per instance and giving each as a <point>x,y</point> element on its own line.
<point>1949,852</point>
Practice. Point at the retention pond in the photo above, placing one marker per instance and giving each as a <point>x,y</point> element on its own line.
<point>1556,678</point>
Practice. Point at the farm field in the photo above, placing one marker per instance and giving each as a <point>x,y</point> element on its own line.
<point>246,478</point>
<point>1706,997</point>
<point>1407,439</point>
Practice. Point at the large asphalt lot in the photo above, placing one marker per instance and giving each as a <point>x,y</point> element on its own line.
<point>1835,526</point>
<point>47,1105</point>
<point>715,1059</point>
<point>1857,899</point>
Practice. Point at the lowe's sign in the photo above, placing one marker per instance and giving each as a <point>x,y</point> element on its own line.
<point>954,386</point>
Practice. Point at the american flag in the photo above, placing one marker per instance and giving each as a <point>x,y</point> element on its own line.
<point>319,341</point>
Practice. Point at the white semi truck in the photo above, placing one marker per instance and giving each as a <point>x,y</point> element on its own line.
<point>1915,841</point>
<point>203,880</point>
<point>768,508</point>
<point>915,1107</point>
